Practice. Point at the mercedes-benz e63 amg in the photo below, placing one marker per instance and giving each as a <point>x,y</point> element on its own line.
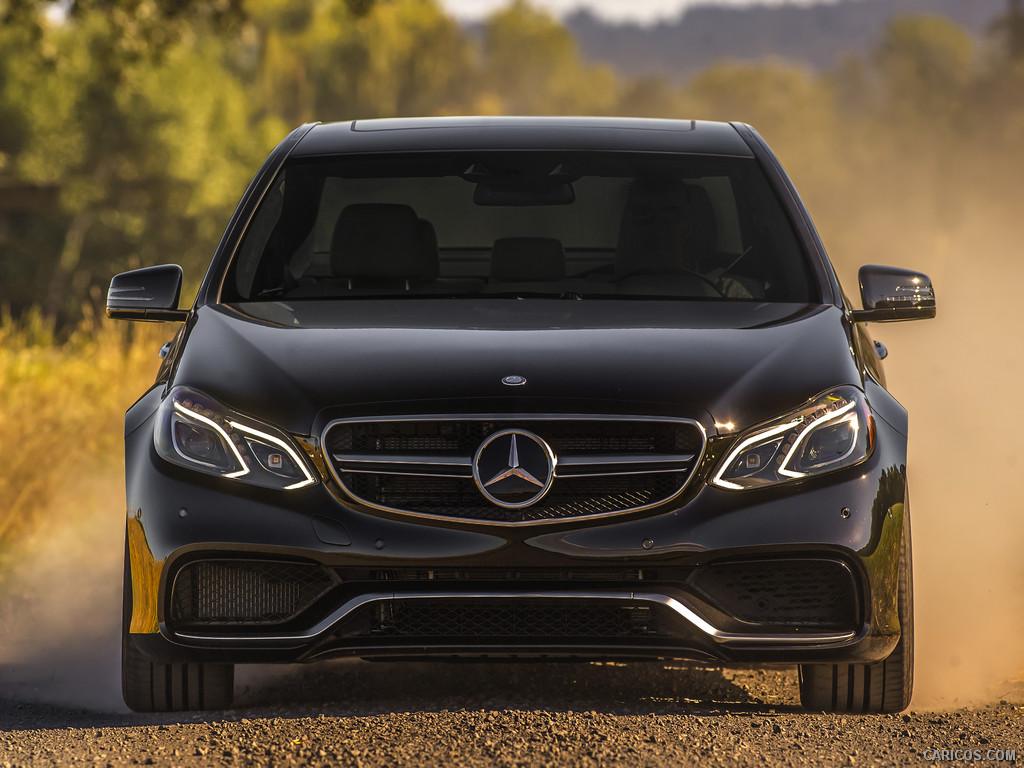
<point>553,388</point>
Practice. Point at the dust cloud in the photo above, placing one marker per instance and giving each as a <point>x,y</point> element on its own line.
<point>958,376</point>
<point>60,617</point>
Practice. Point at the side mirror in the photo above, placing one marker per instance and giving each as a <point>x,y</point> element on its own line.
<point>891,293</point>
<point>150,293</point>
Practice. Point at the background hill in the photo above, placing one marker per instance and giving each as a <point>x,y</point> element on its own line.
<point>816,36</point>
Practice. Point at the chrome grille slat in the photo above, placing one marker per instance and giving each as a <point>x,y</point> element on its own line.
<point>422,465</point>
<point>448,461</point>
<point>684,458</point>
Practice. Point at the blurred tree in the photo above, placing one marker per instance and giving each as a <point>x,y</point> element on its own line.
<point>334,61</point>
<point>928,70</point>
<point>651,96</point>
<point>790,107</point>
<point>405,57</point>
<point>1010,27</point>
<point>996,101</point>
<point>275,43</point>
<point>359,8</point>
<point>926,64</point>
<point>143,154</point>
<point>129,127</point>
<point>905,144</point>
<point>532,65</point>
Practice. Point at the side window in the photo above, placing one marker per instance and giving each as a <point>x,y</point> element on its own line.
<point>257,237</point>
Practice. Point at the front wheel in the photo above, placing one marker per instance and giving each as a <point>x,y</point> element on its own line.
<point>880,687</point>
<point>149,686</point>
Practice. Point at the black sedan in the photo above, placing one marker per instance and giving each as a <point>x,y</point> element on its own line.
<point>492,388</point>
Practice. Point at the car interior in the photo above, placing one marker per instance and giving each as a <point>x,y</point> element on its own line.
<point>649,234</point>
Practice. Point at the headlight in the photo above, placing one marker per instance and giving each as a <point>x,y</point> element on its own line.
<point>197,432</point>
<point>832,431</point>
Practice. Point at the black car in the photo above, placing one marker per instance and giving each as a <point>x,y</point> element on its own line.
<point>492,388</point>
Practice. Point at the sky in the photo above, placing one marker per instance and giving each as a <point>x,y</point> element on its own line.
<point>639,11</point>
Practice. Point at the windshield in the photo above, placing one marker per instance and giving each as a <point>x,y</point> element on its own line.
<point>518,224</point>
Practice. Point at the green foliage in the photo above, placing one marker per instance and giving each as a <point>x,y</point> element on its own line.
<point>532,66</point>
<point>148,152</point>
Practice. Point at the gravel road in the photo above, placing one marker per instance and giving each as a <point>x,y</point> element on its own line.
<point>414,714</point>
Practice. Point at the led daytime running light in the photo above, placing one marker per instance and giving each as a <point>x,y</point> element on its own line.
<point>220,431</point>
<point>800,444</point>
<point>800,438</point>
<point>753,439</point>
<point>283,446</point>
<point>198,432</point>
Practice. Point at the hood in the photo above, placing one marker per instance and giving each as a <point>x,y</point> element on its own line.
<point>298,364</point>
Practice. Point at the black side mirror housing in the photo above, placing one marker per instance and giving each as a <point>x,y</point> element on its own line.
<point>150,293</point>
<point>891,293</point>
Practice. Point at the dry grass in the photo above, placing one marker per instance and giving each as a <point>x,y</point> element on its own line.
<point>62,409</point>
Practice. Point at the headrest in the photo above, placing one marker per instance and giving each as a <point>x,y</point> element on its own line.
<point>377,240</point>
<point>704,240</point>
<point>667,225</point>
<point>430,260</point>
<point>527,258</point>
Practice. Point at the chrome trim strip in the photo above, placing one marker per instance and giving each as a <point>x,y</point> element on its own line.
<point>660,471</point>
<point>573,461</point>
<point>570,475</point>
<point>402,473</point>
<point>512,417</point>
<point>674,604</point>
<point>577,465</point>
<point>446,461</point>
<point>509,417</point>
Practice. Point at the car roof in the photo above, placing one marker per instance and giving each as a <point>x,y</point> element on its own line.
<point>412,134</point>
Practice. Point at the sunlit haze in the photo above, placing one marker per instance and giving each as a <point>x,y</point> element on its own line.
<point>640,11</point>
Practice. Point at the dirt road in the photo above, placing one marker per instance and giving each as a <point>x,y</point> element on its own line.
<point>361,714</point>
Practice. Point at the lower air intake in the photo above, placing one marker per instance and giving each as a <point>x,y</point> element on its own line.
<point>246,592</point>
<point>447,618</point>
<point>816,594</point>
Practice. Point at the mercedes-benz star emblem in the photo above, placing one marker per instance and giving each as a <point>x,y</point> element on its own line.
<point>514,468</point>
<point>513,381</point>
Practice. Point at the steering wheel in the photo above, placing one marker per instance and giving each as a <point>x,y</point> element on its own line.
<point>642,271</point>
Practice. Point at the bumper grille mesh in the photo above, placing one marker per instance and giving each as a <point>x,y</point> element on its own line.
<point>511,620</point>
<point>811,593</point>
<point>245,592</point>
<point>568,498</point>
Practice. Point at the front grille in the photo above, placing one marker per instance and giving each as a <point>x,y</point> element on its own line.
<point>604,465</point>
<point>813,593</point>
<point>246,592</point>
<point>535,620</point>
<point>569,436</point>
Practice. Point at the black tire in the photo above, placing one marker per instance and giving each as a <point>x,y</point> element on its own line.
<point>883,686</point>
<point>149,686</point>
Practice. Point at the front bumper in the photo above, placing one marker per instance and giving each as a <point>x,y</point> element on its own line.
<point>640,571</point>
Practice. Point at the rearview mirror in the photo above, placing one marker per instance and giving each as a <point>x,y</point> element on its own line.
<point>547,193</point>
<point>891,293</point>
<point>150,293</point>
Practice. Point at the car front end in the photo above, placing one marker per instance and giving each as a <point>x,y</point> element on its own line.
<point>346,461</point>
